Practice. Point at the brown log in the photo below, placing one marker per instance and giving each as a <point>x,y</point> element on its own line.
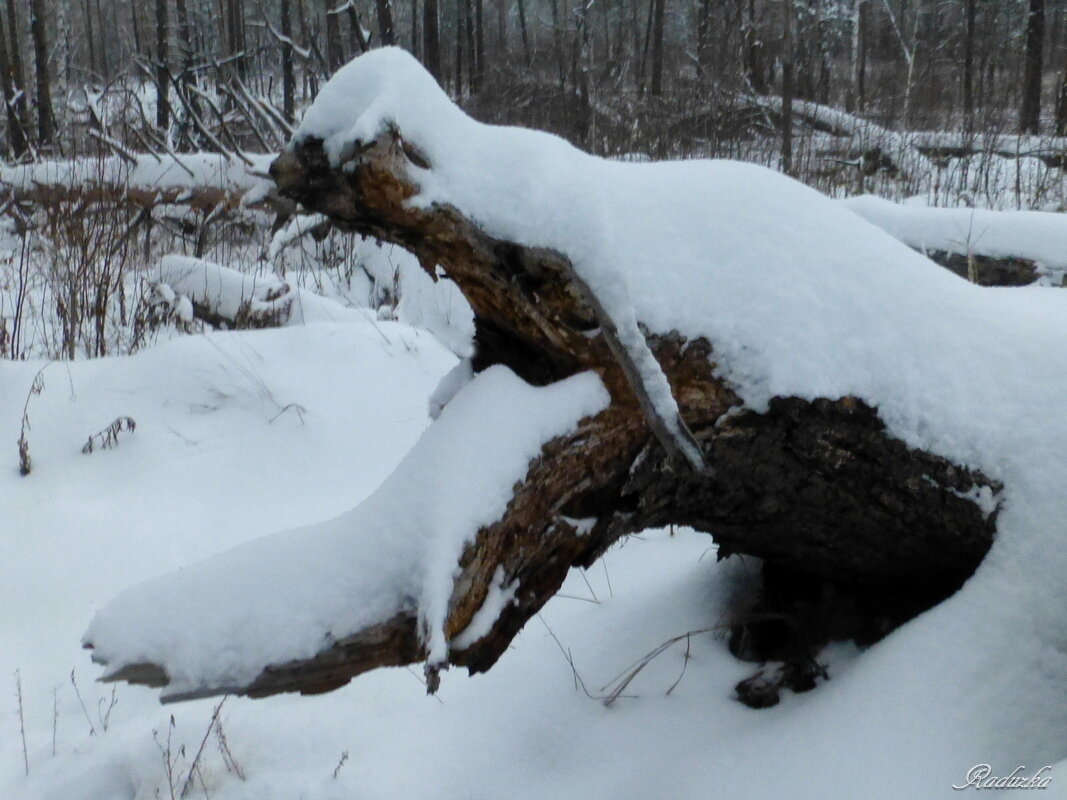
<point>819,490</point>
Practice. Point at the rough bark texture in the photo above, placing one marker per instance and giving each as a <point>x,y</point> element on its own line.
<point>818,489</point>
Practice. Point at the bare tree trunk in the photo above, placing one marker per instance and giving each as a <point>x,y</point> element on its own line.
<point>357,29</point>
<point>431,50</point>
<point>659,10</point>
<point>970,9</point>
<point>335,56</point>
<point>501,28</point>
<point>416,39</point>
<point>787,88</point>
<point>46,125</point>
<point>386,32</point>
<point>16,135</point>
<point>461,30</point>
<point>478,55</point>
<point>752,49</point>
<point>1030,111</point>
<point>162,71</point>
<point>523,31</point>
<point>557,43</point>
<point>468,35</point>
<point>704,39</point>
<point>185,39</point>
<point>288,78</point>
<point>1061,105</point>
<point>236,36</point>
<point>854,100</point>
<point>18,75</point>
<point>90,39</point>
<point>105,44</point>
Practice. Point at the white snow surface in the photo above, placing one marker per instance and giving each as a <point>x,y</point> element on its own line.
<point>1039,236</point>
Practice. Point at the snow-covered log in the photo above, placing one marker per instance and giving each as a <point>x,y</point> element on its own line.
<point>226,298</point>
<point>993,248</point>
<point>1050,149</point>
<point>803,350</point>
<point>203,181</point>
<point>877,146</point>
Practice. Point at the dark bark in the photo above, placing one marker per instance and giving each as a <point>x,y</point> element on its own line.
<point>752,49</point>
<point>288,78</point>
<point>1030,110</point>
<point>386,32</point>
<point>659,11</point>
<point>970,7</point>
<point>1061,105</point>
<point>860,77</point>
<point>523,32</point>
<point>431,49</point>
<point>46,126</point>
<point>235,33</point>
<point>787,89</point>
<point>461,30</point>
<point>335,54</point>
<point>16,134</point>
<point>501,28</point>
<point>478,51</point>
<point>704,53</point>
<point>90,39</point>
<point>357,30</point>
<point>416,38</point>
<point>162,70</point>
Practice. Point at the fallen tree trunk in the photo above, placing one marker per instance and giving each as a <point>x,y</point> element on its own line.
<point>990,248</point>
<point>201,181</point>
<point>857,530</point>
<point>819,490</point>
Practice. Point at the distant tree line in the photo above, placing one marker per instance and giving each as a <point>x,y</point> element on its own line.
<point>910,64</point>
